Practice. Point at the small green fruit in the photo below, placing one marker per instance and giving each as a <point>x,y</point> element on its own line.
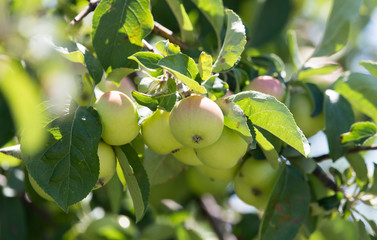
<point>107,164</point>
<point>225,152</point>
<point>38,189</point>
<point>119,118</point>
<point>196,122</point>
<point>187,156</point>
<point>157,135</point>
<point>219,174</point>
<point>200,183</point>
<point>254,182</point>
<point>269,85</point>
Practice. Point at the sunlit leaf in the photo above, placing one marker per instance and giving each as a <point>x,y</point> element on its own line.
<point>293,50</point>
<point>179,11</point>
<point>167,48</point>
<point>268,149</point>
<point>359,132</point>
<point>205,65</point>
<point>147,59</point>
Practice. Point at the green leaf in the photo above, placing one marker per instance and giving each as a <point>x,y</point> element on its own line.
<point>147,59</point>
<point>216,86</point>
<point>12,219</point>
<point>114,193</point>
<point>370,66</point>
<point>270,114</point>
<point>118,29</point>
<point>205,65</point>
<point>8,160</point>
<point>338,27</point>
<point>233,45</point>
<point>7,129</point>
<point>293,50</point>
<point>166,48</point>
<point>145,100</point>
<point>184,68</point>
<point>168,99</point>
<point>359,133</point>
<point>161,168</point>
<point>309,71</point>
<point>136,178</point>
<point>234,117</point>
<point>116,75</point>
<point>271,62</point>
<point>361,91</point>
<point>373,188</point>
<point>268,149</point>
<point>67,168</point>
<point>358,164</point>
<point>338,119</point>
<point>288,206</point>
<point>337,228</point>
<point>213,10</point>
<point>179,11</point>
<point>27,111</point>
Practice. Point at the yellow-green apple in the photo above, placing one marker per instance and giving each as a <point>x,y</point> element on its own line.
<point>269,85</point>
<point>187,156</point>
<point>200,183</point>
<point>254,182</point>
<point>301,108</point>
<point>157,135</point>
<point>225,152</point>
<point>107,164</point>
<point>38,189</point>
<point>119,118</point>
<point>219,174</point>
<point>196,121</point>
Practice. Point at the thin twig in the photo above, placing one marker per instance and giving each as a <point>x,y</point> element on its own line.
<point>88,9</point>
<point>353,150</point>
<point>328,182</point>
<point>168,34</point>
<point>148,46</point>
<point>206,205</point>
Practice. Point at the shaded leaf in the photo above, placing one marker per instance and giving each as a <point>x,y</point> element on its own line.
<point>268,149</point>
<point>216,86</point>
<point>67,168</point>
<point>233,45</point>
<point>136,178</point>
<point>293,50</point>
<point>12,219</point>
<point>7,129</point>
<point>358,164</point>
<point>145,100</point>
<point>359,133</point>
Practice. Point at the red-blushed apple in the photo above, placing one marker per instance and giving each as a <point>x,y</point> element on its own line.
<point>225,152</point>
<point>301,108</point>
<point>269,85</point>
<point>107,164</point>
<point>254,182</point>
<point>187,156</point>
<point>196,121</point>
<point>156,133</point>
<point>119,118</point>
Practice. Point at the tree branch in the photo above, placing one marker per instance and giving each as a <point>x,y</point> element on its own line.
<point>168,34</point>
<point>14,151</point>
<point>353,150</point>
<point>88,9</point>
<point>322,176</point>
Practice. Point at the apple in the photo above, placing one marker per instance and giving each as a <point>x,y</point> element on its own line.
<point>196,121</point>
<point>301,108</point>
<point>187,156</point>
<point>157,135</point>
<point>200,183</point>
<point>225,152</point>
<point>107,164</point>
<point>38,189</point>
<point>119,118</point>
<point>254,182</point>
<point>219,174</point>
<point>269,85</point>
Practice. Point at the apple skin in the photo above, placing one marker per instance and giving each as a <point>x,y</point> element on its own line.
<point>39,190</point>
<point>200,183</point>
<point>219,174</point>
<point>187,156</point>
<point>157,135</point>
<point>254,182</point>
<point>119,118</point>
<point>269,85</point>
<point>196,121</point>
<point>301,108</point>
<point>107,164</point>
<point>225,152</point>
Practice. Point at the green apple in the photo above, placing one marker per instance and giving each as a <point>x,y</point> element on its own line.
<point>200,183</point>
<point>119,118</point>
<point>107,164</point>
<point>187,156</point>
<point>38,189</point>
<point>301,108</point>
<point>269,85</point>
<point>196,121</point>
<point>225,152</point>
<point>254,182</point>
<point>219,174</point>
<point>157,135</point>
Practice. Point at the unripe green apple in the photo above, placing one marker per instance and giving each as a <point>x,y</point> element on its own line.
<point>196,121</point>
<point>107,164</point>
<point>38,189</point>
<point>200,183</point>
<point>219,174</point>
<point>157,135</point>
<point>301,108</point>
<point>254,182</point>
<point>119,118</point>
<point>269,85</point>
<point>187,156</point>
<point>225,152</point>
